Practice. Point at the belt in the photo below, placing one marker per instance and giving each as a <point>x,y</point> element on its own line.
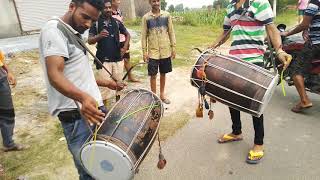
<point>69,116</point>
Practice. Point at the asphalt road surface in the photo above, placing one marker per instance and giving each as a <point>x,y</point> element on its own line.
<point>292,146</point>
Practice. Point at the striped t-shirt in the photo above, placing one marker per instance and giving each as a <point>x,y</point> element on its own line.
<point>248,30</point>
<point>313,10</point>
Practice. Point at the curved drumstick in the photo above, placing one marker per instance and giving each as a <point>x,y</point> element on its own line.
<point>200,51</point>
<point>126,75</point>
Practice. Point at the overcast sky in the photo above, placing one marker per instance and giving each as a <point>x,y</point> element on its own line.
<point>190,3</point>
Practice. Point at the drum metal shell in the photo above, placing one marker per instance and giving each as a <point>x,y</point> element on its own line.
<point>236,83</point>
<point>131,125</point>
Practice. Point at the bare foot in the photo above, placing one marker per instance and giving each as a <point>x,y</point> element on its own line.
<point>133,80</point>
<point>301,106</point>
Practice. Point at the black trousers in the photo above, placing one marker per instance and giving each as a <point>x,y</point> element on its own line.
<point>257,125</point>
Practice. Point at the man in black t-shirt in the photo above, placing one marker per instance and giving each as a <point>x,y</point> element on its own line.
<point>106,34</point>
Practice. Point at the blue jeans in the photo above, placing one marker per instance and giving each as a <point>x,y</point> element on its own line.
<point>76,134</point>
<point>7,116</point>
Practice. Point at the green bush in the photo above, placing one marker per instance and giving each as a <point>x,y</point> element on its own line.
<point>200,17</point>
<point>133,22</point>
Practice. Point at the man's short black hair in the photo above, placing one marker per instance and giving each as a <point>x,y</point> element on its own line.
<point>110,1</point>
<point>98,4</point>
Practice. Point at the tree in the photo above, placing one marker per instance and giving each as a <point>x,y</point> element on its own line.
<point>179,8</point>
<point>163,4</point>
<point>171,8</point>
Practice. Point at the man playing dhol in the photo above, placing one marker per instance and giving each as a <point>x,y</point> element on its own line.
<point>248,20</point>
<point>69,77</point>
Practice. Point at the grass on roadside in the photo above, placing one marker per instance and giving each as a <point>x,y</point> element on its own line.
<point>288,17</point>
<point>187,37</point>
<point>45,154</point>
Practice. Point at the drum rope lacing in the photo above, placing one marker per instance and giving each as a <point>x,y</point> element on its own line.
<point>162,161</point>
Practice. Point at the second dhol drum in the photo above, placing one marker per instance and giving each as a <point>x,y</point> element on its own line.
<point>234,82</point>
<point>124,138</point>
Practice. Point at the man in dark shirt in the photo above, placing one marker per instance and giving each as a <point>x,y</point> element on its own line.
<point>106,34</point>
<point>116,13</point>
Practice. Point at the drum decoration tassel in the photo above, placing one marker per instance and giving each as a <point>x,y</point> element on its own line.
<point>199,110</point>
<point>210,112</point>
<point>162,161</point>
<point>206,104</point>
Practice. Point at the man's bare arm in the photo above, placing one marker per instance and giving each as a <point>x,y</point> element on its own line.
<point>304,25</point>
<point>55,67</point>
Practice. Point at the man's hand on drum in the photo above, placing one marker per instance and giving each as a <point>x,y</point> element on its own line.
<point>284,58</point>
<point>90,110</point>
<point>117,85</point>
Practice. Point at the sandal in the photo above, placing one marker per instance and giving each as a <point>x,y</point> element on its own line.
<point>228,138</point>
<point>15,147</point>
<point>166,101</point>
<point>298,108</point>
<point>254,157</point>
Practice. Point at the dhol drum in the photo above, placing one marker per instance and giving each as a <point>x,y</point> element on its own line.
<point>124,138</point>
<point>234,82</point>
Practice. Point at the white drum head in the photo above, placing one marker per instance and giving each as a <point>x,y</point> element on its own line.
<point>104,160</point>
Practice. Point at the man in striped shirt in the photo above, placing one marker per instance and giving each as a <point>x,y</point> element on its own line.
<point>248,20</point>
<point>311,21</point>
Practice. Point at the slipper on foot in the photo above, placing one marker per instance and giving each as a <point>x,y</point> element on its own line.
<point>166,101</point>
<point>254,157</point>
<point>227,138</point>
<point>15,147</point>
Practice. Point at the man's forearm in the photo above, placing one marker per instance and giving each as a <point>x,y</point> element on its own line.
<point>297,29</point>
<point>126,43</point>
<point>274,35</point>
<point>106,83</point>
<point>304,25</point>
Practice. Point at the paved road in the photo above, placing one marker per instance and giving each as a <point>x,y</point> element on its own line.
<point>292,148</point>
